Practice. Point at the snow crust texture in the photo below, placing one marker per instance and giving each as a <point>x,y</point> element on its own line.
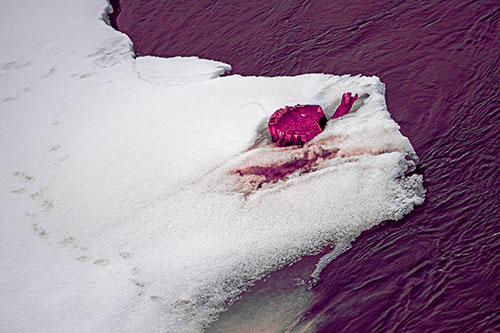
<point>122,208</point>
<point>178,71</point>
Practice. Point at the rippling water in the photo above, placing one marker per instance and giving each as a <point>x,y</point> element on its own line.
<point>438,269</point>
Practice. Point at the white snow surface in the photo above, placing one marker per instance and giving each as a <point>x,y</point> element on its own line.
<point>118,208</point>
<point>178,71</point>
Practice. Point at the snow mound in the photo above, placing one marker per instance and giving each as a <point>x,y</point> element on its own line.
<point>178,71</point>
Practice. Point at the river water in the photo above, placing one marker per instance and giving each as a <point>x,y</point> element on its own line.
<point>438,269</point>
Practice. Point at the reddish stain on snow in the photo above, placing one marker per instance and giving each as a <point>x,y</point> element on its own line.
<point>271,173</point>
<point>303,160</point>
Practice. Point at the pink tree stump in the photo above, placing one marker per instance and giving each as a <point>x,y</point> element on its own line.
<point>296,125</point>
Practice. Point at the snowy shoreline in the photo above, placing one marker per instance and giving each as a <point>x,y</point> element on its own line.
<point>117,206</point>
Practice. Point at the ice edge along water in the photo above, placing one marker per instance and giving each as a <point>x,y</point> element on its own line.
<point>120,210</point>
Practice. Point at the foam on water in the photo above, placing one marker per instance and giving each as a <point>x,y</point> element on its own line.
<point>124,205</point>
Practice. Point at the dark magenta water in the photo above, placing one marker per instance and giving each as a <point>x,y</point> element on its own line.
<point>439,268</point>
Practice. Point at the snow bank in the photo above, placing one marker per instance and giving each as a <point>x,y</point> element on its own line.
<point>178,71</point>
<point>120,207</point>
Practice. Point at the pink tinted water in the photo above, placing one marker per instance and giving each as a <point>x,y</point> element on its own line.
<point>439,268</point>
